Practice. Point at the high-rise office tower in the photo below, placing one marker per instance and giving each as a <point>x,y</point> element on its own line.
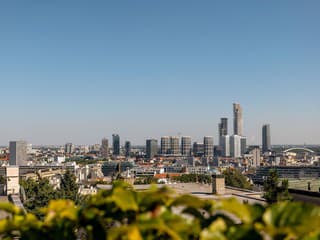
<point>127,148</point>
<point>256,156</point>
<point>208,146</point>
<point>116,144</point>
<point>235,146</point>
<point>174,145</point>
<point>18,153</point>
<point>266,138</point>
<point>151,148</point>
<point>198,149</point>
<point>225,145</point>
<point>165,145</point>
<point>69,148</point>
<point>186,146</point>
<point>237,119</point>
<point>243,145</point>
<point>223,127</point>
<point>104,148</point>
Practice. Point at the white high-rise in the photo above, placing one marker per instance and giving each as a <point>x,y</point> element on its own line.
<point>235,146</point>
<point>225,145</point>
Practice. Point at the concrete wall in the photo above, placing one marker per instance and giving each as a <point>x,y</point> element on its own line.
<point>13,186</point>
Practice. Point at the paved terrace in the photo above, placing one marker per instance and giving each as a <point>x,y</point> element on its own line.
<point>204,191</point>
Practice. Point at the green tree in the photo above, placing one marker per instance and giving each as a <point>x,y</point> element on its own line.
<point>69,188</point>
<point>234,178</point>
<point>274,192</point>
<point>38,194</point>
<point>146,180</point>
<point>192,178</point>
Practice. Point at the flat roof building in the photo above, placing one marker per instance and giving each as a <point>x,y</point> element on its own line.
<point>18,153</point>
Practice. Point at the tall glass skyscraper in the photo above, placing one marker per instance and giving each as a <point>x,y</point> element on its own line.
<point>223,127</point>
<point>266,138</point>
<point>127,148</point>
<point>116,144</point>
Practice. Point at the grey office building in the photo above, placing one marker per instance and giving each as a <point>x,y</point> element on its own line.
<point>105,148</point>
<point>18,153</point>
<point>243,145</point>
<point>151,148</point>
<point>237,119</point>
<point>116,144</point>
<point>208,146</point>
<point>174,145</point>
<point>165,145</point>
<point>266,138</point>
<point>186,146</point>
<point>68,148</point>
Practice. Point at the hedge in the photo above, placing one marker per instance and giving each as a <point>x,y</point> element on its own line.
<point>122,213</point>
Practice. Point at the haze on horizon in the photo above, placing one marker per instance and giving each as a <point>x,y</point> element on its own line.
<point>78,71</point>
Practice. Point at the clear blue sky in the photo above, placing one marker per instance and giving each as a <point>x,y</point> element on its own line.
<point>81,70</point>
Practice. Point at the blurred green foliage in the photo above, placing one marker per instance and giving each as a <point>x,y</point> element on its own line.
<point>158,213</point>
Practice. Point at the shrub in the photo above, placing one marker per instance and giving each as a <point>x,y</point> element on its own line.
<point>122,213</point>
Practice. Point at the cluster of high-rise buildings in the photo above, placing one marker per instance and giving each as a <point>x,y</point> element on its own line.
<point>232,146</point>
<point>176,146</point>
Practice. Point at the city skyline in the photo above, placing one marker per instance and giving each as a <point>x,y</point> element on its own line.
<point>223,122</point>
<point>76,72</point>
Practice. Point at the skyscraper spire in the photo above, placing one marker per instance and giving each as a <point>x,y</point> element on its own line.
<point>237,119</point>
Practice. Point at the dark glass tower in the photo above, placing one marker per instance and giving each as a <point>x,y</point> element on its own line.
<point>223,127</point>
<point>266,138</point>
<point>116,144</point>
<point>127,147</point>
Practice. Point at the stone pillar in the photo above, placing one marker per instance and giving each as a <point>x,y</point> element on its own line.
<point>218,184</point>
